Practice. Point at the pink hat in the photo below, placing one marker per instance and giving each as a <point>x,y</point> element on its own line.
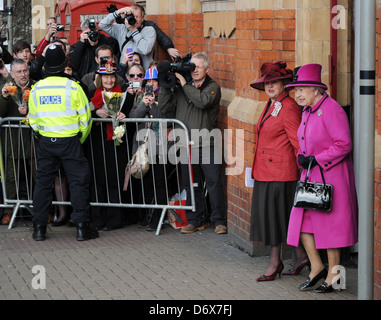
<point>272,71</point>
<point>308,75</point>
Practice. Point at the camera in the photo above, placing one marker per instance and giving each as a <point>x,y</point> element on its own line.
<point>120,19</point>
<point>135,84</point>
<point>183,64</point>
<point>130,19</point>
<point>166,71</point>
<point>103,61</point>
<point>149,90</point>
<point>93,33</point>
<point>60,27</point>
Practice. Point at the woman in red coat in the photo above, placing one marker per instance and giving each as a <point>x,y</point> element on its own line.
<point>275,167</point>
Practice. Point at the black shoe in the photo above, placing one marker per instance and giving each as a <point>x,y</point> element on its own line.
<point>71,224</point>
<point>151,227</point>
<point>59,223</point>
<point>324,288</point>
<point>110,228</point>
<point>311,282</point>
<point>39,232</point>
<point>85,231</point>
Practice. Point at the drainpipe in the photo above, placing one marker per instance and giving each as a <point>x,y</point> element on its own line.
<point>365,23</point>
<point>333,55</point>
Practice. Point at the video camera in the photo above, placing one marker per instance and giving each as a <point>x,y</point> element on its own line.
<point>166,71</point>
<point>93,33</point>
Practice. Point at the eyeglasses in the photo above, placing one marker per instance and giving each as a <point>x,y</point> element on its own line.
<point>133,75</point>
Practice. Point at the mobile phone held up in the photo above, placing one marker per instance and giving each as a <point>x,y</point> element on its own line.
<point>149,90</point>
<point>130,51</point>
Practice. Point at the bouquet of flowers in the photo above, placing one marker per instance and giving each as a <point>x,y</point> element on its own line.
<point>113,102</point>
<point>20,98</point>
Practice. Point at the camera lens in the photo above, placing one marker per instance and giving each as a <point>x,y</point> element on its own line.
<point>93,36</point>
<point>131,19</point>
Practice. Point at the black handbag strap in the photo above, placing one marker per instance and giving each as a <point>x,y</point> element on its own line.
<point>309,169</point>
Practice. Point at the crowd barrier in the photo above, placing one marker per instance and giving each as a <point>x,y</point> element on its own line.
<point>18,164</point>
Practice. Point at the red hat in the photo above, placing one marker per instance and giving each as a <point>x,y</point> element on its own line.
<point>272,71</point>
<point>308,75</point>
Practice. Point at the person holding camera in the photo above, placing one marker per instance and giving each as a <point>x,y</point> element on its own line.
<point>52,29</point>
<point>147,107</point>
<point>130,31</point>
<point>82,53</point>
<point>197,103</point>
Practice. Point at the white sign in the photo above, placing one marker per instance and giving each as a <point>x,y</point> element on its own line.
<point>1,5</point>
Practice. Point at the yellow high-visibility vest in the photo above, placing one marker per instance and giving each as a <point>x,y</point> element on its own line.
<point>58,108</point>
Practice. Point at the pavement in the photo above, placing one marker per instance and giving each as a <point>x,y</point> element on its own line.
<point>134,264</point>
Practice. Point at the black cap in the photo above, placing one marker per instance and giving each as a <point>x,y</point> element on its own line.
<point>55,59</point>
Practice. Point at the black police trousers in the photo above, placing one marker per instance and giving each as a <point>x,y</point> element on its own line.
<point>52,152</point>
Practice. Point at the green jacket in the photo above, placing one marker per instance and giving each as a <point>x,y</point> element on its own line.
<point>197,108</point>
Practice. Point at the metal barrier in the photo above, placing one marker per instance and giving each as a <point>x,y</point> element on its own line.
<point>18,163</point>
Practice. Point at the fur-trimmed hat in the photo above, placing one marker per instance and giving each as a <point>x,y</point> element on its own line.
<point>272,71</point>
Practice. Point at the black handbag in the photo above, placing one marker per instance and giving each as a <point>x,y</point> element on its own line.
<point>313,195</point>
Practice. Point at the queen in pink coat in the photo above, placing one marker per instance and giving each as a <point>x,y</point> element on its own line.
<point>324,137</point>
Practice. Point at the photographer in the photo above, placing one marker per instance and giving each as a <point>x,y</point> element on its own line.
<point>131,33</point>
<point>82,53</point>
<point>52,29</point>
<point>161,37</point>
<point>197,103</point>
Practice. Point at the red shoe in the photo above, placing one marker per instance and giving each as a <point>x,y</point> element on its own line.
<point>279,270</point>
<point>294,272</point>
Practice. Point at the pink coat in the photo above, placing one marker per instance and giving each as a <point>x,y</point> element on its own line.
<point>324,133</point>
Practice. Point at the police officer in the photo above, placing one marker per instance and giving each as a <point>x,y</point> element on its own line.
<point>60,113</point>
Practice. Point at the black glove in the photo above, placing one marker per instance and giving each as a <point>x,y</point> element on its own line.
<point>304,161</point>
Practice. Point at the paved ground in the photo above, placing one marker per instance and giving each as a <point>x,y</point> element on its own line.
<point>131,263</point>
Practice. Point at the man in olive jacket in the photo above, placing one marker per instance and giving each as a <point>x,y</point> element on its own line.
<point>196,103</point>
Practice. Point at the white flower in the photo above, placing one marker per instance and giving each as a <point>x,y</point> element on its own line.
<point>119,132</point>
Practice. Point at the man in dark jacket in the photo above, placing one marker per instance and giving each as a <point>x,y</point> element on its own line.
<point>18,144</point>
<point>82,53</point>
<point>197,104</point>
